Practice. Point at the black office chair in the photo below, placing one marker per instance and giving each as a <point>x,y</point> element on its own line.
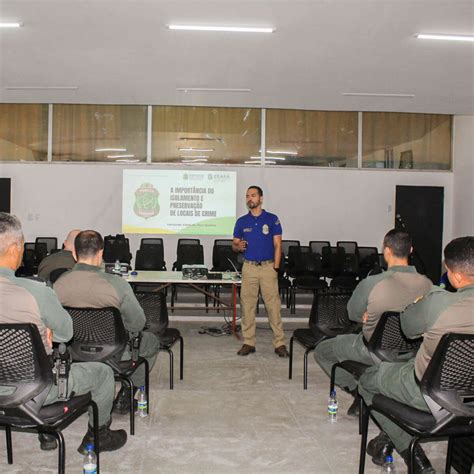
<point>100,336</point>
<point>368,260</point>
<point>328,318</point>
<point>117,247</point>
<point>153,247</point>
<point>317,246</point>
<point>286,244</point>
<point>51,243</point>
<point>28,266</point>
<point>448,388</point>
<point>150,259</point>
<point>156,313</point>
<point>25,366</point>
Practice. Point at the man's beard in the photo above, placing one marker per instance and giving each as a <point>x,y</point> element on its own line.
<point>252,205</point>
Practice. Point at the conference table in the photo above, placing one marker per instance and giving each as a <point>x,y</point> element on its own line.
<point>164,279</point>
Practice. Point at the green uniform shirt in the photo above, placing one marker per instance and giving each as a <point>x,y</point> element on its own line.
<point>88,286</point>
<point>28,301</point>
<point>392,290</point>
<point>61,259</point>
<point>437,313</point>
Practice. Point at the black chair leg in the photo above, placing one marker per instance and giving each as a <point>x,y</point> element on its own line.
<point>363,438</point>
<point>290,361</point>
<point>305,369</point>
<point>147,384</point>
<point>61,452</point>
<point>361,408</point>
<point>449,454</point>
<point>95,428</point>
<point>181,358</point>
<point>333,378</point>
<point>8,435</point>
<point>411,450</point>
<point>129,384</point>
<point>170,352</point>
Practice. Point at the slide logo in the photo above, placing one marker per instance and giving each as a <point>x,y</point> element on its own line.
<point>146,201</point>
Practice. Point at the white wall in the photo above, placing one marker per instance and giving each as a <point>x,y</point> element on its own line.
<point>463,176</point>
<point>313,204</point>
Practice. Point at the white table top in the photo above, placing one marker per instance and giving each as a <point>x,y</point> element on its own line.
<point>144,276</point>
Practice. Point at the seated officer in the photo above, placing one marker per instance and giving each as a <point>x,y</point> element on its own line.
<point>61,259</point>
<point>27,301</point>
<point>437,313</point>
<point>392,290</point>
<point>88,286</point>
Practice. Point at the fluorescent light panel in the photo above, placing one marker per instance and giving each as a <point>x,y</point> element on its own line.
<point>377,94</point>
<point>195,156</point>
<point>198,160</point>
<point>196,149</point>
<point>34,88</point>
<point>281,158</point>
<point>282,152</point>
<point>10,24</point>
<point>445,37</point>
<point>120,156</point>
<point>233,29</point>
<point>211,89</point>
<point>110,149</point>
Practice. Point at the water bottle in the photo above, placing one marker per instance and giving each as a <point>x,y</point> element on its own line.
<point>90,460</point>
<point>117,266</point>
<point>332,406</point>
<point>388,466</point>
<point>142,403</point>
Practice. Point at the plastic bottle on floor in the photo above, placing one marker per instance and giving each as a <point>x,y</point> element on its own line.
<point>90,460</point>
<point>142,403</point>
<point>388,466</point>
<point>332,406</point>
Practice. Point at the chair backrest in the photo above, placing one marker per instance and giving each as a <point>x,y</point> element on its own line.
<point>99,335</point>
<point>329,313</point>
<point>153,241</point>
<point>187,242</point>
<point>348,246</point>
<point>307,264</point>
<point>368,260</point>
<point>149,258</point>
<point>449,378</point>
<point>153,245</point>
<point>222,256</point>
<point>189,255</point>
<point>41,251</point>
<point>286,244</point>
<point>294,254</point>
<point>25,367</point>
<point>318,245</point>
<point>51,243</point>
<point>117,248</point>
<point>154,306</point>
<point>388,342</point>
<point>55,274</point>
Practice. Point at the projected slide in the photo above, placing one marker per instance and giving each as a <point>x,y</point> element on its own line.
<point>178,202</point>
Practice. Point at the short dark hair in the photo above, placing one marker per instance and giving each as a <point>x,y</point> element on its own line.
<point>88,243</point>
<point>399,242</point>
<point>459,255</point>
<point>258,188</point>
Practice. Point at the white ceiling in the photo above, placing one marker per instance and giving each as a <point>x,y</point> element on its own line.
<point>120,52</point>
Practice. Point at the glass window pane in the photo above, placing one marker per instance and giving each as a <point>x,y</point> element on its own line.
<point>311,138</point>
<point>205,135</point>
<point>111,133</point>
<point>406,141</point>
<point>23,132</point>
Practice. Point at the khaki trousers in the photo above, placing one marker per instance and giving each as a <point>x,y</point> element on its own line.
<point>263,278</point>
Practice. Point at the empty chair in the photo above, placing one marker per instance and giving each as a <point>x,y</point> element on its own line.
<point>294,251</point>
<point>368,260</point>
<point>349,247</point>
<point>317,246</point>
<point>328,318</point>
<point>51,243</point>
<point>117,248</point>
<point>26,368</point>
<point>286,244</point>
<point>151,241</point>
<point>157,321</point>
<point>149,258</point>
<point>156,248</point>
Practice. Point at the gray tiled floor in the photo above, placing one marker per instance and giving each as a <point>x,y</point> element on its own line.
<point>230,414</point>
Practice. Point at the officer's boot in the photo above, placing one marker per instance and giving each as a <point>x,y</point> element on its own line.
<point>108,440</point>
<point>47,442</point>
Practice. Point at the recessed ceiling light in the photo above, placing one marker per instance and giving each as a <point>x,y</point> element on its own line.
<point>234,29</point>
<point>211,89</point>
<point>10,24</point>
<point>34,88</point>
<point>376,94</point>
<point>110,149</point>
<point>196,149</point>
<point>445,37</point>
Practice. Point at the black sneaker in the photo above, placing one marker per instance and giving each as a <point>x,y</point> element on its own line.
<point>380,447</point>
<point>122,402</point>
<point>109,440</point>
<point>422,463</point>
<point>47,442</point>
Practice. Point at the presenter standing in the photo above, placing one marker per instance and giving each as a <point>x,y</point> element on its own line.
<point>258,236</point>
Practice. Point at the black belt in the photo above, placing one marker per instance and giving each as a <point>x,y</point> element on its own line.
<point>258,263</point>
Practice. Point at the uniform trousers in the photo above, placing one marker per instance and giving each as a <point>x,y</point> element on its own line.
<point>396,381</point>
<point>93,377</point>
<point>264,278</point>
<point>338,349</point>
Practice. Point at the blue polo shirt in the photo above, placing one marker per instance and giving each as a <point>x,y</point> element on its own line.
<point>258,232</point>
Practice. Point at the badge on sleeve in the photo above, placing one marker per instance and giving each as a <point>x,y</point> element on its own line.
<point>265,229</point>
